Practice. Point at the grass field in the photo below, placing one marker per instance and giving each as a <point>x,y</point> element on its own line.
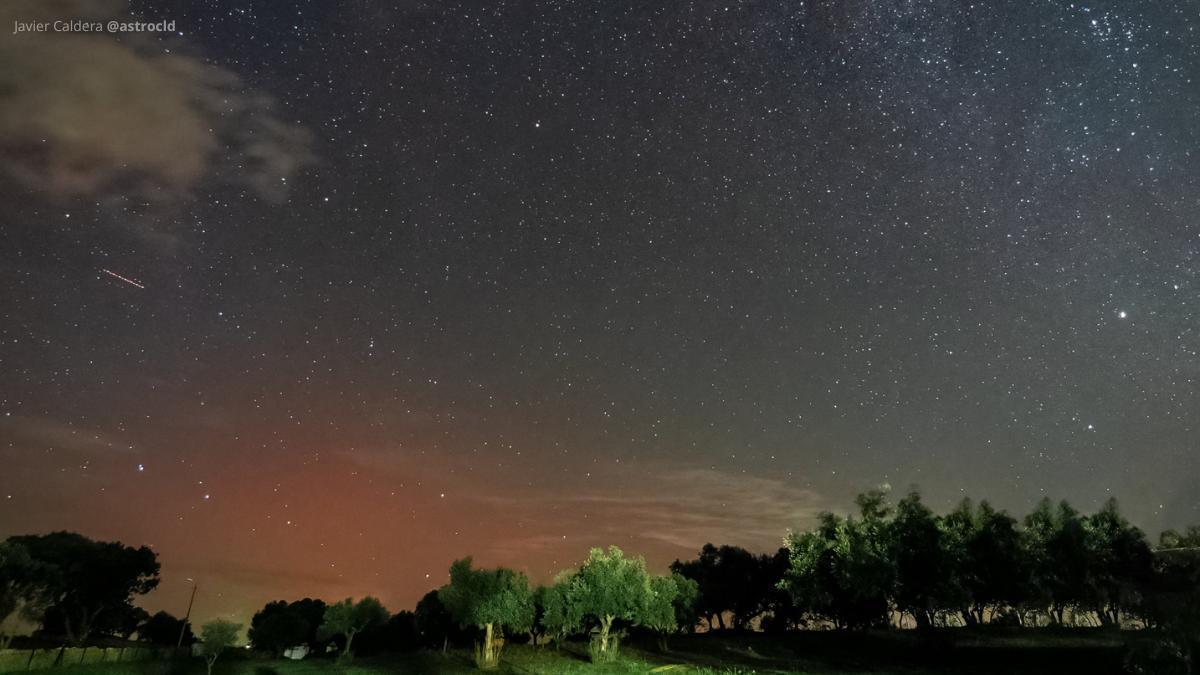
<point>901,653</point>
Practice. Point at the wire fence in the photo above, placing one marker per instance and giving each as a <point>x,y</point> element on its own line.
<point>21,660</point>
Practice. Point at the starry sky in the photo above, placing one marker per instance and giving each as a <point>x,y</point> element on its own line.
<point>315,297</point>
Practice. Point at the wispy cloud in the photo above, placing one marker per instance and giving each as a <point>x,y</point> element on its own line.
<point>48,433</point>
<point>671,507</point>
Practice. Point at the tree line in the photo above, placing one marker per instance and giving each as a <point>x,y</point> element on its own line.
<point>887,565</point>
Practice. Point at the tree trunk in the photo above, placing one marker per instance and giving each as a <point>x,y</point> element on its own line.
<point>605,626</point>
<point>489,656</point>
<point>721,620</point>
<point>349,641</point>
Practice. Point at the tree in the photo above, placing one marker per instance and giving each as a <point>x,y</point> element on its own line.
<point>1058,544</point>
<point>659,613</point>
<point>435,625</point>
<point>922,563</point>
<point>1170,539</point>
<point>989,564</point>
<point>1171,606</point>
<point>1120,563</point>
<point>23,586</point>
<point>687,593</point>
<point>348,618</point>
<point>843,571</point>
<point>163,629</point>
<point>492,600</point>
<point>398,634</point>
<point>313,613</point>
<point>606,588</point>
<point>555,619</point>
<point>89,578</point>
<point>730,579</point>
<point>781,611</point>
<point>277,627</point>
<point>215,637</point>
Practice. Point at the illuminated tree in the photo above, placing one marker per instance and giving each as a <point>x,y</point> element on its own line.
<point>348,618</point>
<point>216,636</point>
<point>606,588</point>
<point>492,600</point>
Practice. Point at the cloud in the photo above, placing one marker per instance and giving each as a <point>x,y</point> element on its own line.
<point>45,432</point>
<point>86,115</point>
<point>678,508</point>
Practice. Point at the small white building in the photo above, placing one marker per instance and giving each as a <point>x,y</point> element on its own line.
<point>296,653</point>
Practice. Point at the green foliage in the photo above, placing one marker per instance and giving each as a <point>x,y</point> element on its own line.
<point>555,616</point>
<point>659,613</point>
<point>687,593</point>
<point>348,618</point>
<point>606,588</point>
<point>922,561</point>
<point>843,571</point>
<point>500,597</point>
<point>494,600</point>
<point>215,637</point>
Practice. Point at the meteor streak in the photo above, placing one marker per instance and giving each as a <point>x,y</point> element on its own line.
<point>127,280</point>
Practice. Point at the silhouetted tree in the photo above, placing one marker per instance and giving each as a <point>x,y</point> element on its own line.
<point>730,579</point>
<point>312,611</point>
<point>89,579</point>
<point>435,626</point>
<point>24,586</point>
<point>1058,547</point>
<point>989,564</point>
<point>922,561</point>
<point>278,627</point>
<point>397,634</point>
<point>781,613</point>
<point>163,629</point>
<point>1120,564</point>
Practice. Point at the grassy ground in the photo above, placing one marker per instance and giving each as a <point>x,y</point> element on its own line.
<point>896,653</point>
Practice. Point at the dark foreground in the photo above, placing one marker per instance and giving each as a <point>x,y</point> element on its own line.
<point>1028,652</point>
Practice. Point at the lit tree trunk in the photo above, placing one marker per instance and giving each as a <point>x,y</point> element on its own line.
<point>489,657</point>
<point>349,641</point>
<point>605,627</point>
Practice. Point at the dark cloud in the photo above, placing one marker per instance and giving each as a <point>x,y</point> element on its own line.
<point>130,118</point>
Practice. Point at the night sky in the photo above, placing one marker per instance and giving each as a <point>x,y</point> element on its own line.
<point>405,282</point>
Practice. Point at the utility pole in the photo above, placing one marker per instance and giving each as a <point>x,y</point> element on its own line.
<point>186,617</point>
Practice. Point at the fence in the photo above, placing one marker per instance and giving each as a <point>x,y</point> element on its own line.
<point>19,660</point>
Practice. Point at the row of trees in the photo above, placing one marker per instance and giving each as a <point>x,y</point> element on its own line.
<point>886,565</point>
<point>972,566</point>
